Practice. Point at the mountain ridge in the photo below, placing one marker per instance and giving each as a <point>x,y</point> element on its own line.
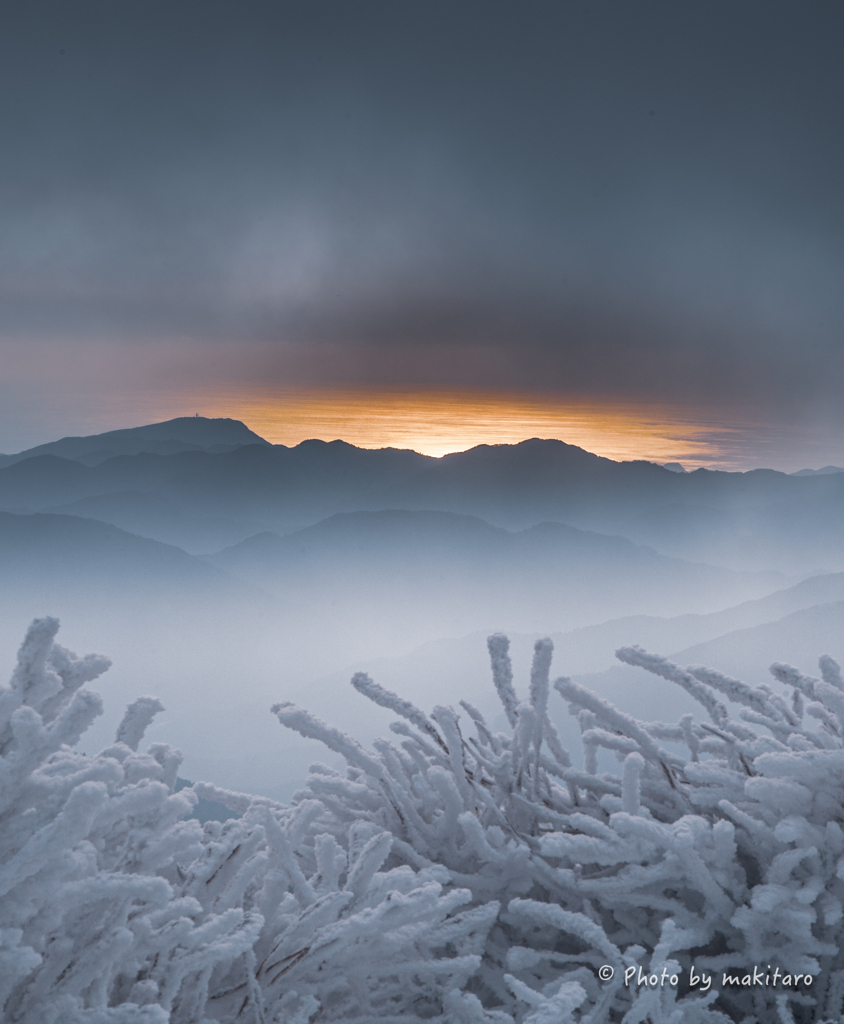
<point>762,519</point>
<point>184,433</point>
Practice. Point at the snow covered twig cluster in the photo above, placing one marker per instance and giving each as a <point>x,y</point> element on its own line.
<point>444,876</point>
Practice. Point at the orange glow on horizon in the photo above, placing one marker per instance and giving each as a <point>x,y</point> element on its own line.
<point>439,422</point>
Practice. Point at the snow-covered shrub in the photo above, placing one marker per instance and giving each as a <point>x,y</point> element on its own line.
<point>101,917</point>
<point>442,876</point>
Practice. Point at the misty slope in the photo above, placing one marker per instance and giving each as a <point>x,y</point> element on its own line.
<point>797,639</point>
<point>435,572</point>
<point>750,521</point>
<point>795,534</point>
<point>593,647</point>
<point>150,515</point>
<point>186,433</point>
<point>56,557</point>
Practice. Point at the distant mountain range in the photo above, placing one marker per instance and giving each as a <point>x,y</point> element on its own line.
<point>225,573</point>
<point>818,472</point>
<point>206,484</point>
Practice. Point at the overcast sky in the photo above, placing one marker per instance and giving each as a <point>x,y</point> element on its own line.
<point>625,200</point>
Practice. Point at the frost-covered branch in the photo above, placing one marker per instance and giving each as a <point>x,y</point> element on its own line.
<point>451,874</point>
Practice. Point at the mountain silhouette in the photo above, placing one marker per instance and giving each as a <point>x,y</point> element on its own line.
<point>185,433</point>
<point>748,521</point>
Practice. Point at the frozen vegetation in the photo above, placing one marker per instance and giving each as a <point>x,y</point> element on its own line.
<point>453,874</point>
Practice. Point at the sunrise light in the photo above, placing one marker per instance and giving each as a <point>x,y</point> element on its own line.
<point>438,422</point>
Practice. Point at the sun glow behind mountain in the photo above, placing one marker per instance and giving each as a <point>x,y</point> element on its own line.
<point>97,388</point>
<point>438,422</point>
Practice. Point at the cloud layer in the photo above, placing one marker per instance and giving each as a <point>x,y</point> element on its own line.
<point>636,202</point>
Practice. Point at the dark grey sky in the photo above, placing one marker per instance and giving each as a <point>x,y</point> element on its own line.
<point>632,199</point>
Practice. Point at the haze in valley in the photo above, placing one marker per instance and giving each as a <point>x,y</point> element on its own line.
<point>224,574</point>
